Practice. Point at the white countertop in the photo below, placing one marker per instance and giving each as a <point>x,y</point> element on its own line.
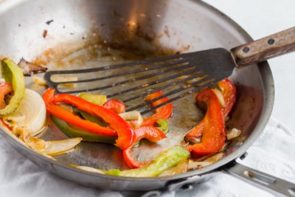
<point>260,18</point>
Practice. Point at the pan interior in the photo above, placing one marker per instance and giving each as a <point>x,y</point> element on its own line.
<point>71,34</point>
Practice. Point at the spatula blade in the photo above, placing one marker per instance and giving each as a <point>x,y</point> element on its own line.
<point>217,63</point>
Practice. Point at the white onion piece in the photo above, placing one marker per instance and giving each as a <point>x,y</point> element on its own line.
<point>233,133</point>
<point>200,164</point>
<point>132,115</point>
<point>90,169</point>
<point>220,97</point>
<point>51,148</point>
<point>58,147</point>
<point>30,115</point>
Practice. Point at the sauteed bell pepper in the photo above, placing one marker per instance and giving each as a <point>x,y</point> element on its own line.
<point>162,124</point>
<point>228,91</point>
<point>213,126</point>
<point>163,112</point>
<point>115,105</point>
<point>72,119</point>
<point>118,127</point>
<point>97,99</point>
<point>164,161</point>
<point>5,88</point>
<point>195,133</point>
<point>14,75</point>
<point>71,131</point>
<point>153,134</point>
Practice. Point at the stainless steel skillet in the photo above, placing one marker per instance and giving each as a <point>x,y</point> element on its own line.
<point>179,25</point>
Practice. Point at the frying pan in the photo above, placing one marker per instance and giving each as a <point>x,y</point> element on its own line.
<point>68,30</point>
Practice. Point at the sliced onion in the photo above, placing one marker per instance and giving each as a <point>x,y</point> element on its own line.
<point>58,147</point>
<point>219,96</point>
<point>90,169</point>
<point>132,116</point>
<point>30,115</point>
<point>51,148</point>
<point>200,164</point>
<point>233,133</point>
<point>46,148</point>
<point>2,80</point>
<point>178,169</point>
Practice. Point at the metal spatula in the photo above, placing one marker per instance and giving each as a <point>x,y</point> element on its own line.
<point>177,75</point>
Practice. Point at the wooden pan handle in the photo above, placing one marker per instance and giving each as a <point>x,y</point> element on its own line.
<point>265,48</point>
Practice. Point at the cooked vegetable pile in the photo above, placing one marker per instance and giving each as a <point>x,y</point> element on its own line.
<point>93,117</point>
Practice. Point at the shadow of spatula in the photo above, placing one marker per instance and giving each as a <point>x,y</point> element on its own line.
<point>177,75</point>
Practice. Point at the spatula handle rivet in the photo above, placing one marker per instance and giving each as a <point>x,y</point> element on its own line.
<point>271,41</point>
<point>246,49</point>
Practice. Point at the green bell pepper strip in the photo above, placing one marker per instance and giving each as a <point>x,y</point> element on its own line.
<point>162,124</point>
<point>76,132</point>
<point>117,126</point>
<point>14,75</point>
<point>97,99</point>
<point>164,161</point>
<point>91,118</point>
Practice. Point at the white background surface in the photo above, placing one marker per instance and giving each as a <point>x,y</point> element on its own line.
<point>260,18</point>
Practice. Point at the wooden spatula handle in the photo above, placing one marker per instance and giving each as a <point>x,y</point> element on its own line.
<point>265,48</point>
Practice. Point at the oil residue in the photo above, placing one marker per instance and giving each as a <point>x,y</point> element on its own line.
<point>96,52</point>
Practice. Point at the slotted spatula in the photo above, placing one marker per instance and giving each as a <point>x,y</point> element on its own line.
<point>177,75</point>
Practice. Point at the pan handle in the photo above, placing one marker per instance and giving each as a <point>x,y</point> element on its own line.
<point>262,180</point>
<point>257,178</point>
<point>271,46</point>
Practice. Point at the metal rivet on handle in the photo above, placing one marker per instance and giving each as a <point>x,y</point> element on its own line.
<point>246,173</point>
<point>271,41</point>
<point>246,49</point>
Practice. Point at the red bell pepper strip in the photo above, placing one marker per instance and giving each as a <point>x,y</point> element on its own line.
<point>163,112</point>
<point>229,92</point>
<point>5,88</point>
<point>153,134</point>
<point>115,105</point>
<point>9,127</point>
<point>123,129</point>
<point>154,95</point>
<point>160,101</point>
<point>213,136</point>
<point>72,119</point>
<point>195,132</point>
